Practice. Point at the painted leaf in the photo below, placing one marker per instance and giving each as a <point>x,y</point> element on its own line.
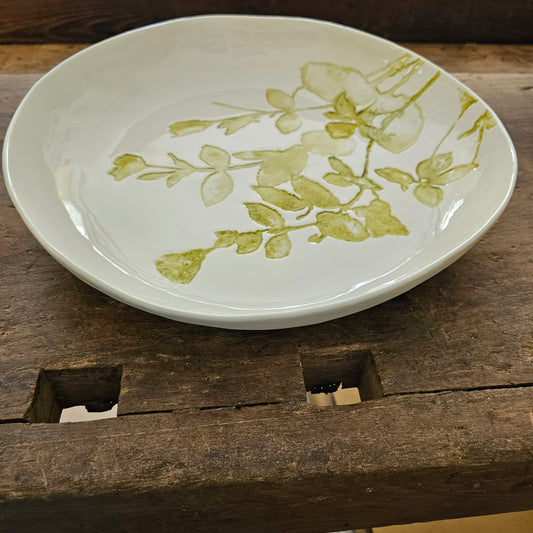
<point>216,187</point>
<point>340,166</point>
<point>328,81</point>
<point>181,165</point>
<point>428,195</point>
<point>341,226</point>
<point>234,124</point>
<point>278,246</point>
<point>334,116</point>
<point>338,179</point>
<point>279,198</point>
<point>264,215</point>
<point>344,177</point>
<point>466,100</point>
<point>432,167</point>
<point>127,164</point>
<point>344,107</point>
<point>226,238</point>
<point>316,239</point>
<point>280,99</point>
<point>453,174</point>
<point>340,130</point>
<point>176,177</point>
<point>249,242</point>
<point>281,165</point>
<point>388,103</point>
<point>150,176</point>
<point>181,268</point>
<point>288,122</point>
<point>319,142</point>
<point>314,194</point>
<point>215,157</point>
<point>186,127</point>
<point>379,221</point>
<point>394,175</point>
<point>484,121</point>
<point>398,132</point>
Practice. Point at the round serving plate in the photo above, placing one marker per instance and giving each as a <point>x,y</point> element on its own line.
<point>255,172</point>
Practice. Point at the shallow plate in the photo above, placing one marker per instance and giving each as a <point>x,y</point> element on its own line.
<point>255,172</point>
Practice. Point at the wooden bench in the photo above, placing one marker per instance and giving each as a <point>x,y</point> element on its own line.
<point>214,432</point>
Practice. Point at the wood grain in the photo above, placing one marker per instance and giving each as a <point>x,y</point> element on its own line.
<point>273,468</point>
<point>239,447</point>
<point>489,21</point>
<point>471,58</point>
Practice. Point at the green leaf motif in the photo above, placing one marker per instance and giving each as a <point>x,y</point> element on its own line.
<point>319,142</point>
<point>398,132</point>
<point>342,168</point>
<point>435,165</point>
<point>466,100</point>
<point>328,81</point>
<point>264,215</point>
<point>288,122</point>
<point>428,195</point>
<point>314,194</point>
<point>215,157</point>
<point>283,199</point>
<point>278,246</point>
<point>344,107</point>
<point>181,165</point>
<point>394,175</point>
<point>226,238</point>
<point>338,179</point>
<point>388,103</point>
<point>181,268</point>
<point>186,127</point>
<point>379,221</point>
<point>249,242</point>
<point>484,121</point>
<point>344,177</point>
<point>234,124</point>
<point>277,166</point>
<point>150,176</point>
<point>371,107</point>
<point>453,174</point>
<point>216,187</point>
<point>316,239</point>
<point>280,99</point>
<point>127,164</point>
<point>341,226</point>
<point>340,130</point>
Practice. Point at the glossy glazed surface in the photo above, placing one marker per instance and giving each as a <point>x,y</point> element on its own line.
<point>339,171</point>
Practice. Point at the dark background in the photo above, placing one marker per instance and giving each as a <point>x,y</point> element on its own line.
<point>447,21</point>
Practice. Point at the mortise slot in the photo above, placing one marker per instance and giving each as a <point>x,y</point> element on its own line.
<point>92,389</point>
<point>340,379</point>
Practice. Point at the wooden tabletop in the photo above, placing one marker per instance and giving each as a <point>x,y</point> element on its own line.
<point>214,432</point>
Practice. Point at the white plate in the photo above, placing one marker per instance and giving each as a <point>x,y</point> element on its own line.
<point>338,169</point>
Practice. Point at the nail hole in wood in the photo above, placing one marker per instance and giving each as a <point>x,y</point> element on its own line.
<point>94,389</point>
<point>340,379</point>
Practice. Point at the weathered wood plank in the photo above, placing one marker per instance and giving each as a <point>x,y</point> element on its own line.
<point>478,58</point>
<point>468,21</point>
<point>24,59</point>
<point>274,468</point>
<point>471,58</point>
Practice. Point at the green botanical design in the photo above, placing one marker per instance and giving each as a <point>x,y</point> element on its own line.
<point>361,110</point>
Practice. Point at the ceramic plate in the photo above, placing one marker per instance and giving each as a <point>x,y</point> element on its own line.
<point>255,172</point>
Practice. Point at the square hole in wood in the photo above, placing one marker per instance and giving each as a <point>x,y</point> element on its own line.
<point>340,379</point>
<point>94,389</point>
